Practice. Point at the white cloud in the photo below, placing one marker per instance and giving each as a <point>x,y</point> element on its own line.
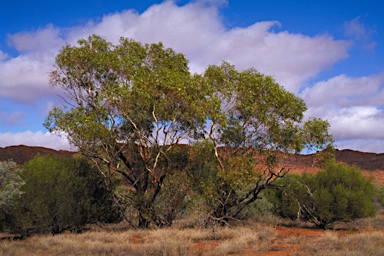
<point>40,40</point>
<point>353,107</point>
<point>38,138</point>
<point>196,29</point>
<point>25,78</point>
<point>356,122</point>
<point>344,91</point>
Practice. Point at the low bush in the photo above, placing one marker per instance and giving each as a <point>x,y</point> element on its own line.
<point>10,184</point>
<point>337,193</point>
<point>61,194</point>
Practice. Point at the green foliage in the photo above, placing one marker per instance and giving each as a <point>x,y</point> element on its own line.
<point>251,120</point>
<point>337,193</point>
<point>249,109</point>
<point>261,209</point>
<point>219,189</point>
<point>130,104</point>
<point>380,195</point>
<point>10,184</point>
<point>62,194</point>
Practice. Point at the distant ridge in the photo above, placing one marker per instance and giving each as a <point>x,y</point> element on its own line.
<point>363,160</point>
<point>22,154</point>
<point>371,164</point>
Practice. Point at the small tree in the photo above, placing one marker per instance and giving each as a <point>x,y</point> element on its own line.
<point>10,189</point>
<point>61,194</point>
<point>336,194</point>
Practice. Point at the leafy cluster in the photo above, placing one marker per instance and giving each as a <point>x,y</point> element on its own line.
<point>10,183</point>
<point>337,193</point>
<point>10,188</point>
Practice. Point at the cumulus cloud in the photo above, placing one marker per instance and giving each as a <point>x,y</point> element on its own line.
<point>356,122</point>
<point>195,29</point>
<point>345,91</point>
<point>198,31</point>
<point>40,40</point>
<point>25,77</point>
<point>38,138</point>
<point>353,107</point>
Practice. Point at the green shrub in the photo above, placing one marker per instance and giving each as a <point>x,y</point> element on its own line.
<point>337,193</point>
<point>10,184</point>
<point>380,196</point>
<point>61,194</point>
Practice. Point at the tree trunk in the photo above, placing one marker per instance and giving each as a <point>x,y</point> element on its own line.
<point>143,222</point>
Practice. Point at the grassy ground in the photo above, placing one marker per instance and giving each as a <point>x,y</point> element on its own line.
<point>276,237</point>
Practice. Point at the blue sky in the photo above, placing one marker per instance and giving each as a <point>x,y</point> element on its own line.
<point>330,53</point>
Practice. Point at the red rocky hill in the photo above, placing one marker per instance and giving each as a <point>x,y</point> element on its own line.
<point>370,163</point>
<point>22,154</point>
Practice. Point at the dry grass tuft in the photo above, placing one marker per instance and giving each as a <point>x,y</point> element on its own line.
<point>358,238</point>
<point>90,243</point>
<point>168,241</point>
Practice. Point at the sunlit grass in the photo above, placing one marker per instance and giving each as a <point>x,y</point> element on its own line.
<point>167,241</point>
<point>253,238</point>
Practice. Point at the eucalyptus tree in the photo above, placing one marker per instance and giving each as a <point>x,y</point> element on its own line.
<point>252,120</point>
<point>127,107</point>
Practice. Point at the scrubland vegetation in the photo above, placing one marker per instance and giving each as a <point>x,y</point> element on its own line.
<point>261,230</point>
<point>172,163</point>
<point>131,108</point>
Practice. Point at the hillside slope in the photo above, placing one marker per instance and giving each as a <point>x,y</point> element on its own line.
<point>372,164</point>
<point>22,154</point>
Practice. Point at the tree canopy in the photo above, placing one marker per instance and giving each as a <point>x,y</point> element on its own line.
<point>128,106</point>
